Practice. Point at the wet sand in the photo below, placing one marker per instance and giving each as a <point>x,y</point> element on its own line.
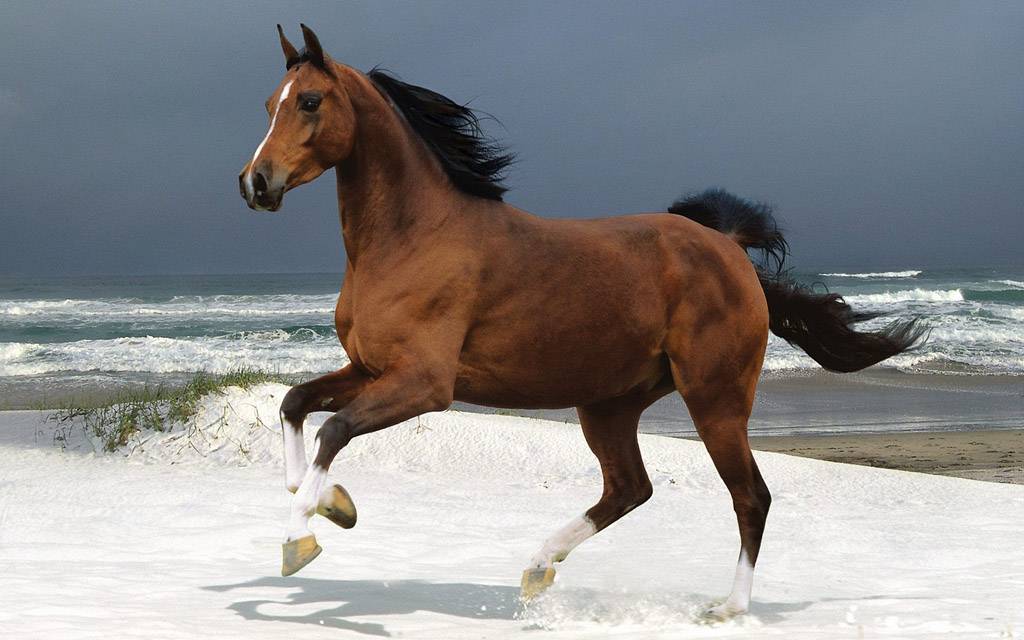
<point>991,455</point>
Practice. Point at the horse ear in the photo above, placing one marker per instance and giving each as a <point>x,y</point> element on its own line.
<point>313,48</point>
<point>291,56</point>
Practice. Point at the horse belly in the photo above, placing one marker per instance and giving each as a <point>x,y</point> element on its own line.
<point>556,371</point>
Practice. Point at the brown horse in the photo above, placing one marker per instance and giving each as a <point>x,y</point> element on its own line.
<point>451,294</point>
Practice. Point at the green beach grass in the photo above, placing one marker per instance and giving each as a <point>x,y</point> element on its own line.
<point>116,418</point>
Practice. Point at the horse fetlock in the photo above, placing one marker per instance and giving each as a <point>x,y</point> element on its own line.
<point>547,557</point>
<point>557,548</point>
<point>298,523</point>
<point>725,611</point>
<point>305,502</point>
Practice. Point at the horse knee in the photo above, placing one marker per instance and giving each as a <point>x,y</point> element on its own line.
<point>294,404</point>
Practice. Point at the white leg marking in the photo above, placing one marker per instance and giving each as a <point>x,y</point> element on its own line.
<point>284,95</point>
<point>739,599</point>
<point>294,456</point>
<point>306,499</point>
<point>558,546</point>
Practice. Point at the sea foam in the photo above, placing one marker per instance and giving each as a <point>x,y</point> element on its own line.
<point>877,274</point>
<point>1017,284</point>
<point>178,306</point>
<point>275,350</point>
<point>908,295</point>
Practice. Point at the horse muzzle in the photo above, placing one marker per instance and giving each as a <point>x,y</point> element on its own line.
<point>259,190</point>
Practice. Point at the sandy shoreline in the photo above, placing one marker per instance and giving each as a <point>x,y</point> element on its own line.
<point>991,455</point>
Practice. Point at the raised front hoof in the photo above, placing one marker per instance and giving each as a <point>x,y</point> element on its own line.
<point>535,582</point>
<point>298,553</point>
<point>340,510</point>
<point>722,612</point>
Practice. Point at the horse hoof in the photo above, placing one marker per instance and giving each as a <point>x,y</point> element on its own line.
<point>340,510</point>
<point>298,553</point>
<point>535,582</point>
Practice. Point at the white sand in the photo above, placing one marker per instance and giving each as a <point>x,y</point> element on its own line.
<point>181,539</point>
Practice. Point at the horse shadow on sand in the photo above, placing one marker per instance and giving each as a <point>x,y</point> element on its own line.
<point>341,600</point>
<point>346,599</point>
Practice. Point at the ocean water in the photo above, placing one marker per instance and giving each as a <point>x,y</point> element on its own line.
<point>82,332</point>
<point>975,317</point>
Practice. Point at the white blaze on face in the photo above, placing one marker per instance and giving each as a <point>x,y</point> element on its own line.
<point>273,120</point>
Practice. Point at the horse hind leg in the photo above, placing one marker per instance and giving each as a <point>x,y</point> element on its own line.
<point>610,430</point>
<point>720,412</point>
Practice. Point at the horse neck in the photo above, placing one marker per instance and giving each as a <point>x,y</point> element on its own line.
<point>390,188</point>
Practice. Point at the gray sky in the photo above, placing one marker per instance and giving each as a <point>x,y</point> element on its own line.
<point>887,134</point>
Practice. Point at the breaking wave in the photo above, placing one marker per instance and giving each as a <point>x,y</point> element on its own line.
<point>878,274</point>
<point>909,295</point>
<point>1017,284</point>
<point>1006,296</point>
<point>976,320</point>
<point>279,351</point>
<point>177,306</point>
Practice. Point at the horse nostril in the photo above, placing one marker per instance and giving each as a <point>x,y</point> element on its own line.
<point>259,184</point>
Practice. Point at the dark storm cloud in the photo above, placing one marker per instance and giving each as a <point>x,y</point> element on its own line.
<point>886,134</point>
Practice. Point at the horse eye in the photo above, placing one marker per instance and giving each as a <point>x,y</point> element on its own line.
<point>309,103</point>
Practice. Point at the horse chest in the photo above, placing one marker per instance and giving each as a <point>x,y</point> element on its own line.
<point>361,347</point>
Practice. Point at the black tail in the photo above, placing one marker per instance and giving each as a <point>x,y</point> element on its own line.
<point>819,323</point>
<point>750,224</point>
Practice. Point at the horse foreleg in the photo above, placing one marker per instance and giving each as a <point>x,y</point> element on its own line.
<point>326,393</point>
<point>396,396</point>
<point>610,430</point>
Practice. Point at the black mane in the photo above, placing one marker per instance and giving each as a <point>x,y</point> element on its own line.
<point>474,164</point>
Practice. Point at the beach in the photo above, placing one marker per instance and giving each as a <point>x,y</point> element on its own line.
<point>451,507</point>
